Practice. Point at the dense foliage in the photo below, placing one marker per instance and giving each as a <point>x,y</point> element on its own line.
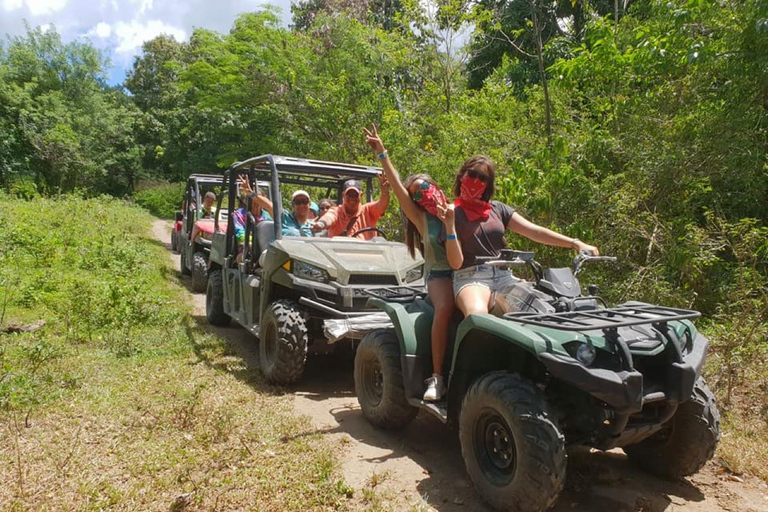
<point>644,131</point>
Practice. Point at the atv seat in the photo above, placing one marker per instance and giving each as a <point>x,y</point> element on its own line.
<point>263,235</point>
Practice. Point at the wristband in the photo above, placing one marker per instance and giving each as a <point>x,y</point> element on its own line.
<point>450,237</point>
<point>383,155</point>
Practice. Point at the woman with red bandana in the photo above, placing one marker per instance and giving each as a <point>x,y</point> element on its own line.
<point>481,228</point>
<point>430,226</point>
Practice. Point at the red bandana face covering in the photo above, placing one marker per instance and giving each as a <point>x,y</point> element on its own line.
<point>472,190</point>
<point>429,197</point>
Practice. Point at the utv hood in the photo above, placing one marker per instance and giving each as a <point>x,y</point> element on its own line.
<point>206,226</point>
<point>343,257</point>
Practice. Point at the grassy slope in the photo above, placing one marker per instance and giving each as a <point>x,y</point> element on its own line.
<point>121,402</point>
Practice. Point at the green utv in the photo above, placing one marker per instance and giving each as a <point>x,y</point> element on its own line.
<point>549,366</point>
<point>284,289</point>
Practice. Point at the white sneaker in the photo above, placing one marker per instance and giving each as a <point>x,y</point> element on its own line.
<point>435,388</point>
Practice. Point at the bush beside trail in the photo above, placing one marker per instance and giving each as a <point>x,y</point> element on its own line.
<point>121,401</point>
<point>162,200</point>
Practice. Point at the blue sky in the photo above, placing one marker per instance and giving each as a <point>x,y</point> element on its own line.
<point>119,27</point>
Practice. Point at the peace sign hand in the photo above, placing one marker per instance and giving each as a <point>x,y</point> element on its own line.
<point>373,139</point>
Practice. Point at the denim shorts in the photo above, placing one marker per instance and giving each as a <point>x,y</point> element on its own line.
<point>440,274</point>
<point>482,275</point>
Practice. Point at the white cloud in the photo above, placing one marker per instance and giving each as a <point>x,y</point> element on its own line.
<point>102,30</point>
<point>12,5</point>
<point>130,36</point>
<point>43,7</point>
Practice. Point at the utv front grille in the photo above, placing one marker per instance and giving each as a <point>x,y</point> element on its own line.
<point>385,280</point>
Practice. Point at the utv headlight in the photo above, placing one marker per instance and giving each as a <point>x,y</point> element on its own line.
<point>414,274</point>
<point>306,271</point>
<point>585,354</point>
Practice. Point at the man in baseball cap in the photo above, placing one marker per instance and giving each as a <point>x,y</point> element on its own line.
<point>351,216</point>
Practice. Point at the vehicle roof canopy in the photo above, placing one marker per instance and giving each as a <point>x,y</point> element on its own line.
<point>302,171</point>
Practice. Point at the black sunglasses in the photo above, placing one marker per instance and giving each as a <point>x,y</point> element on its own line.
<point>352,194</point>
<point>478,175</point>
<point>300,202</point>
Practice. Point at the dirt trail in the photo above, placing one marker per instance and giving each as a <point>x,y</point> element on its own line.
<point>421,468</point>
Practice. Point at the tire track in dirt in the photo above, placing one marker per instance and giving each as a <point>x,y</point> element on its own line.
<point>421,468</point>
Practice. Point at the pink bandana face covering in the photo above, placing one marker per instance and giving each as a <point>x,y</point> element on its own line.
<point>470,201</point>
<point>429,196</point>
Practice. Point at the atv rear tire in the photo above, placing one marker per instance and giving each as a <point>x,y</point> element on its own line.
<point>686,442</point>
<point>199,272</point>
<point>379,381</point>
<point>214,300</point>
<point>174,241</point>
<point>283,342</point>
<point>512,445</point>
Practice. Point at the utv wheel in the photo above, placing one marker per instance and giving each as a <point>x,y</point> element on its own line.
<point>199,272</point>
<point>686,442</point>
<point>173,241</point>
<point>214,300</point>
<point>511,443</point>
<point>379,381</point>
<point>283,343</point>
<point>185,271</point>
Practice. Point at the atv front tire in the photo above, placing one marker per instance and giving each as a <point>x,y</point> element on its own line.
<point>185,270</point>
<point>199,272</point>
<point>214,300</point>
<point>379,381</point>
<point>686,442</point>
<point>283,343</point>
<point>512,445</point>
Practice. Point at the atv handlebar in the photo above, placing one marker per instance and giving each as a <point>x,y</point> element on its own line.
<point>585,256</point>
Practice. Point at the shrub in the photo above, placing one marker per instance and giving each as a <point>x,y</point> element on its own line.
<point>162,200</point>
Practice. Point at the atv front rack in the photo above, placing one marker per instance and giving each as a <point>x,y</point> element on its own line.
<point>396,293</point>
<point>610,318</point>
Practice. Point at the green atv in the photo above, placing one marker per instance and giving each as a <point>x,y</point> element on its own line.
<point>548,367</point>
<point>286,289</point>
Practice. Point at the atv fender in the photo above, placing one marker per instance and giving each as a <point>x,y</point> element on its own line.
<point>413,325</point>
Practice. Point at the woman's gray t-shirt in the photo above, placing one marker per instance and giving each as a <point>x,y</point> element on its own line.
<point>482,238</point>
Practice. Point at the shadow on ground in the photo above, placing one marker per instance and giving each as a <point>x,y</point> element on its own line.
<point>596,480</point>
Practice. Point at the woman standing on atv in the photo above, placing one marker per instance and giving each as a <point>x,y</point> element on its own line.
<point>481,227</point>
<point>430,226</point>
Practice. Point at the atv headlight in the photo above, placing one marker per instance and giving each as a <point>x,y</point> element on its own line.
<point>414,274</point>
<point>585,354</point>
<point>307,271</point>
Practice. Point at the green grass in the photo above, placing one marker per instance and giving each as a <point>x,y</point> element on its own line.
<point>122,402</point>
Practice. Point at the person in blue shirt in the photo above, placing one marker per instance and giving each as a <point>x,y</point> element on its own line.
<point>298,221</point>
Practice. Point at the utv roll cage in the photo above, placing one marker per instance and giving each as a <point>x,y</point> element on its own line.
<point>276,170</point>
<point>193,189</point>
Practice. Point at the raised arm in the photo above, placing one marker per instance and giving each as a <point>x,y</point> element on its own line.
<point>412,211</point>
<point>528,229</point>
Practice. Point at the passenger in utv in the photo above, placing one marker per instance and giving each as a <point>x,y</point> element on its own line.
<point>239,215</point>
<point>351,216</point>
<point>430,226</point>
<point>208,211</point>
<point>481,224</point>
<point>297,222</point>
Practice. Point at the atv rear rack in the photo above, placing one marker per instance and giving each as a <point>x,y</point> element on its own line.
<point>611,318</point>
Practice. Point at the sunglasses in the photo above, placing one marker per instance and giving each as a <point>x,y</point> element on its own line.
<point>419,194</point>
<point>326,207</point>
<point>352,194</point>
<point>301,202</point>
<point>478,175</point>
